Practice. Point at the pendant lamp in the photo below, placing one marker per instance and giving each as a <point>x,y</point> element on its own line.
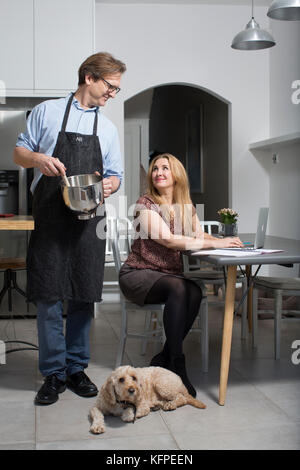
<point>253,37</point>
<point>285,10</point>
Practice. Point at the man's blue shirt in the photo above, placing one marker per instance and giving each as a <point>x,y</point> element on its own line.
<point>44,124</point>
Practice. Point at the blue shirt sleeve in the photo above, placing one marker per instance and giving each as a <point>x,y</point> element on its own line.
<point>44,123</point>
<point>112,161</point>
<point>31,138</point>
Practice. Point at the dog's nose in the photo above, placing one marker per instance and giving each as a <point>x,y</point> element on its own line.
<point>131,390</point>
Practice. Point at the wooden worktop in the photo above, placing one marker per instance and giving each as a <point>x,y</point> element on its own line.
<point>17,222</point>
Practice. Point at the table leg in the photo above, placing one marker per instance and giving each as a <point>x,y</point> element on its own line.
<point>249,298</point>
<point>227,332</point>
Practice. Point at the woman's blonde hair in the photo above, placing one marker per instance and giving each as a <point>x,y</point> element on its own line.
<point>181,193</point>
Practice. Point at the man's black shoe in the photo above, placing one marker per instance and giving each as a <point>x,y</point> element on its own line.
<point>80,383</point>
<point>48,393</point>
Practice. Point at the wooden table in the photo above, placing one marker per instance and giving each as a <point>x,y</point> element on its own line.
<point>289,256</point>
<point>17,222</point>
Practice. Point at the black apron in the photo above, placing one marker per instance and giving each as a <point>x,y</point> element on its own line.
<point>65,257</point>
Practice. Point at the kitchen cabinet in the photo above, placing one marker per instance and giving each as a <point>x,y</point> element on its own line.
<point>46,41</point>
<point>16,39</point>
<point>64,37</point>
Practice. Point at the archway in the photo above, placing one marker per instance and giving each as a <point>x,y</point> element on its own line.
<point>189,122</point>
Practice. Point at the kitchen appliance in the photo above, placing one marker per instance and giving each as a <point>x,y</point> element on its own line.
<point>83,195</point>
<point>9,192</point>
<point>13,182</point>
<point>12,123</point>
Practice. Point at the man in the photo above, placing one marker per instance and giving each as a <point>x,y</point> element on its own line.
<point>65,257</point>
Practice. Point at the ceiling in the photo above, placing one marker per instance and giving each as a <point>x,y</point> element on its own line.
<point>193,2</point>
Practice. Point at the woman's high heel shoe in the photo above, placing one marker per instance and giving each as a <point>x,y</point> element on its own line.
<point>177,365</point>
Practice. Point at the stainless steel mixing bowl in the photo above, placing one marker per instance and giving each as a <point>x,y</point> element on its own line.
<point>84,194</point>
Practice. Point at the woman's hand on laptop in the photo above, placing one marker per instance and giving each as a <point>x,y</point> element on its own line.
<point>228,242</point>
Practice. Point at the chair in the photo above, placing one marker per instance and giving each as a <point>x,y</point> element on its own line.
<point>210,275</point>
<point>127,306</point>
<point>116,227</point>
<point>156,312</point>
<point>279,287</point>
<point>10,267</point>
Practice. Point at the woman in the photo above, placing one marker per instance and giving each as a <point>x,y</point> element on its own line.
<point>166,224</point>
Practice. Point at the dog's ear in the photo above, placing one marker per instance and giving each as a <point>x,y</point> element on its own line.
<point>108,392</point>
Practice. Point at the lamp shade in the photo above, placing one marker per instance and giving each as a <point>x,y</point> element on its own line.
<point>288,10</point>
<point>252,38</point>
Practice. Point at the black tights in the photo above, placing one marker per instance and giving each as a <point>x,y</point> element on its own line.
<point>182,299</point>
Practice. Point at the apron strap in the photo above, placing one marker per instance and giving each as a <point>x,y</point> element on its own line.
<point>95,122</point>
<point>67,111</point>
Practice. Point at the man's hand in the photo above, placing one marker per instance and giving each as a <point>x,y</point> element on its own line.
<point>47,165</point>
<point>107,187</point>
<point>110,184</point>
<point>51,166</point>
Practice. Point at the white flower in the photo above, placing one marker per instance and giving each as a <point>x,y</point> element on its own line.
<point>227,213</point>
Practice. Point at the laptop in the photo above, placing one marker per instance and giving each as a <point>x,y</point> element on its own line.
<point>261,227</point>
<point>260,232</point>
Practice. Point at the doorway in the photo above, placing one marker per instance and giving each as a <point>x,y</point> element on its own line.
<point>191,124</point>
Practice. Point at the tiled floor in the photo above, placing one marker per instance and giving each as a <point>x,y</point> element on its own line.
<point>262,409</point>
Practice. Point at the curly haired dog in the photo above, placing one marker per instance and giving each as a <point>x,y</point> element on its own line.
<point>133,392</point>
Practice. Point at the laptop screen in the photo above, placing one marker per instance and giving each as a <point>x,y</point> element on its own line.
<point>261,227</point>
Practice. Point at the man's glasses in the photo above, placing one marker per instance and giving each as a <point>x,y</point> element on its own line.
<point>111,88</point>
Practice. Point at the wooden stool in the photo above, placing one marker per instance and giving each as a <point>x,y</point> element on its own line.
<point>10,266</point>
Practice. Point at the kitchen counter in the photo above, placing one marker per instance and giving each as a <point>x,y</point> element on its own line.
<point>17,222</point>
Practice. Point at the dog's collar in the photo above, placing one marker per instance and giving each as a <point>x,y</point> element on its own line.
<point>126,403</point>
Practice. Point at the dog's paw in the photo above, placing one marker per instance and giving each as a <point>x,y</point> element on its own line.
<point>169,406</point>
<point>155,408</point>
<point>144,411</point>
<point>97,428</point>
<point>128,415</point>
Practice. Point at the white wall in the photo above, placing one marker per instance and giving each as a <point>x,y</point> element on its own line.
<point>191,44</point>
<point>284,218</point>
<point>284,70</point>
<point>284,215</point>
<point>285,194</point>
<point>285,119</point>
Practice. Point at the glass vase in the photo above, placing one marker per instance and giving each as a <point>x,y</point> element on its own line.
<point>229,230</point>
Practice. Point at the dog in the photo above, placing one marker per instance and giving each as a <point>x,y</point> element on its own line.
<point>133,392</point>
